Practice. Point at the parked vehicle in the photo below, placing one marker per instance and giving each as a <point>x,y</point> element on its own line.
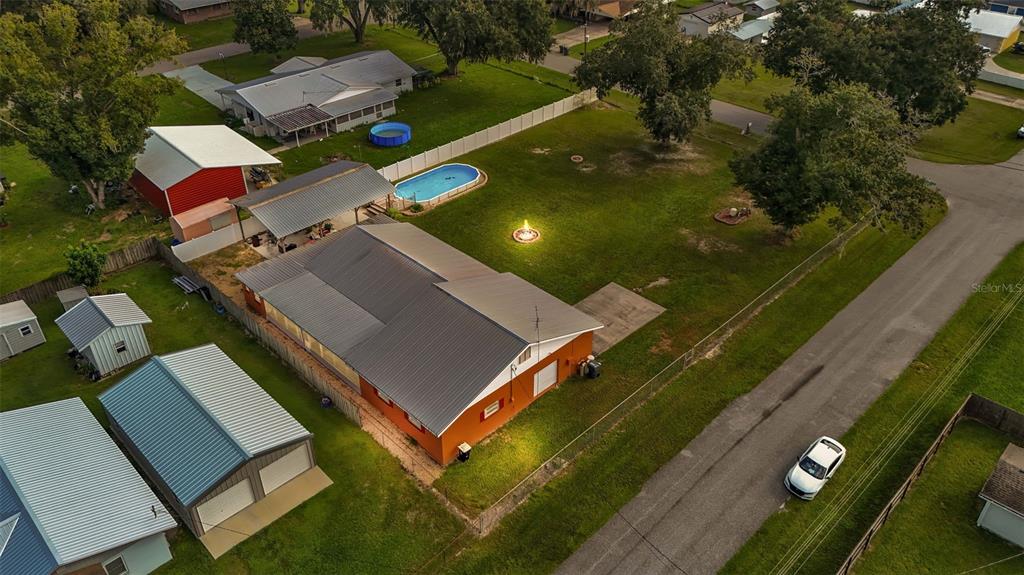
<point>1018,48</point>
<point>1020,131</point>
<point>815,467</point>
<point>984,49</point>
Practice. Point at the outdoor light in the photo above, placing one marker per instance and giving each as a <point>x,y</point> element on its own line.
<point>525,234</point>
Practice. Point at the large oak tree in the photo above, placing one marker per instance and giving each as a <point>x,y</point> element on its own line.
<point>844,148</point>
<point>265,25</point>
<point>74,97</point>
<point>329,14</point>
<point>671,74</point>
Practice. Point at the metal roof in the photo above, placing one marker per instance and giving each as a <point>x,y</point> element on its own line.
<point>23,549</point>
<point>298,118</point>
<point>428,251</point>
<point>994,24</point>
<point>298,64</point>
<point>291,208</point>
<point>173,153</point>
<point>360,97</point>
<point>191,4</point>
<point>435,357</point>
<point>301,181</point>
<point>753,28</point>
<point>324,313</point>
<point>15,312</point>
<point>96,314</point>
<point>1005,486</point>
<point>764,4</point>
<point>290,90</point>
<point>522,308</point>
<point>712,12</point>
<point>72,295</point>
<point>372,275</point>
<point>83,494</point>
<point>195,416</point>
<point>283,267</point>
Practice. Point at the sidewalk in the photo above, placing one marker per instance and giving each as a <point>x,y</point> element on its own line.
<point>573,37</point>
<point>999,99</point>
<point>196,57</point>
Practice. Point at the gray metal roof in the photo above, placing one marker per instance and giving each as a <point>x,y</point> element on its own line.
<point>324,313</point>
<point>195,416</point>
<point>368,272</point>
<point>192,4</point>
<point>83,494</point>
<point>435,357</point>
<point>334,189</point>
<point>428,251</point>
<point>72,295</point>
<point>96,314</point>
<point>1005,486</point>
<point>520,307</point>
<point>23,549</point>
<point>283,267</point>
<point>298,118</point>
<point>298,64</point>
<point>359,101</point>
<point>15,312</point>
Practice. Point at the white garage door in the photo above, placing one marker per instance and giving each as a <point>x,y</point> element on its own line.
<point>545,378</point>
<point>236,498</point>
<point>288,466</point>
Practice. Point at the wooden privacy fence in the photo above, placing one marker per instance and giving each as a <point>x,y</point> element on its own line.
<point>116,260</point>
<point>297,359</point>
<point>464,145</point>
<point>988,412</point>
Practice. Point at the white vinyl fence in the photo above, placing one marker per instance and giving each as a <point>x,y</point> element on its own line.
<point>443,153</point>
<point>222,238</point>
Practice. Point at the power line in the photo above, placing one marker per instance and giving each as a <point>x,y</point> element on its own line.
<point>1003,560</point>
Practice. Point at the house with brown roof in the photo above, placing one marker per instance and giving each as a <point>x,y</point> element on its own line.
<point>709,18</point>
<point>1003,494</point>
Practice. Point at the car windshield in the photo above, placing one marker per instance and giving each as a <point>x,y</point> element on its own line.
<point>811,466</point>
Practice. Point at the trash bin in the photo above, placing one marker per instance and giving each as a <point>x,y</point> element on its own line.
<point>593,369</point>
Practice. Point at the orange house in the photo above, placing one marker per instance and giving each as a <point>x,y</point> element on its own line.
<point>444,346</point>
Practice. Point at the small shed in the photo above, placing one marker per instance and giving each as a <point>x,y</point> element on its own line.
<point>1003,494</point>
<point>19,329</point>
<point>70,297</point>
<point>204,219</point>
<point>213,442</point>
<point>107,330</point>
<point>70,501</point>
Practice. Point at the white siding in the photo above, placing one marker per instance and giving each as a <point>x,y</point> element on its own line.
<point>1002,522</point>
<point>101,351</point>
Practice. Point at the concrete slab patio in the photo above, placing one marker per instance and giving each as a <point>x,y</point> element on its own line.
<point>250,520</point>
<point>201,83</point>
<point>620,310</point>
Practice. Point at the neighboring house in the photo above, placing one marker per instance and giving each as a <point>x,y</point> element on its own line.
<point>1015,7</point>
<point>614,9</point>
<point>445,347</point>
<point>70,501</point>
<point>298,63</point>
<point>70,297</point>
<point>709,18</point>
<point>996,31</point>
<point>332,192</point>
<point>184,167</point>
<point>107,330</point>
<point>19,329</point>
<point>1003,494</point>
<point>754,31</point>
<point>337,95</point>
<point>759,8</point>
<point>188,11</point>
<point>208,436</point>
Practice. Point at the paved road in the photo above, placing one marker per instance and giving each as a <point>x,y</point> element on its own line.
<point>706,502</point>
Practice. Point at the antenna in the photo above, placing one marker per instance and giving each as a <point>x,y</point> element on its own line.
<point>536,325</point>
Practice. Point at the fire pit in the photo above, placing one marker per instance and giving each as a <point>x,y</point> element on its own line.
<point>526,234</point>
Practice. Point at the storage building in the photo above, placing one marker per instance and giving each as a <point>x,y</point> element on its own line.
<point>19,329</point>
<point>107,330</point>
<point>1003,494</point>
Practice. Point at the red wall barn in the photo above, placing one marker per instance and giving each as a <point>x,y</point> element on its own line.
<point>201,187</point>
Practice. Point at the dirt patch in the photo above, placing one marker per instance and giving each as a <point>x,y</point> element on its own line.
<point>681,158</point>
<point>68,228</point>
<point>663,345</point>
<point>540,151</point>
<point>707,244</point>
<point>739,197</point>
<point>219,268</point>
<point>104,237</point>
<point>118,215</point>
<point>586,167</point>
<point>661,281</point>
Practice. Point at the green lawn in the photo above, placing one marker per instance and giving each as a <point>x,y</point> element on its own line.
<point>934,530</point>
<point>184,107</point>
<point>557,519</point>
<point>44,219</point>
<point>202,34</point>
<point>562,25</point>
<point>595,43</point>
<point>994,373</point>
<point>631,217</point>
<point>985,133</point>
<point>1011,61</point>
<point>754,93</point>
<point>373,519</point>
<point>1000,89</point>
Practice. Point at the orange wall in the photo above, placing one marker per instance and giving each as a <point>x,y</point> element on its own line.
<point>515,395</point>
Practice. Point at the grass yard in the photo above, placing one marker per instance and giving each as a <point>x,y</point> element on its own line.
<point>985,133</point>
<point>557,519</point>
<point>935,529</point>
<point>628,216</point>
<point>184,107</point>
<point>577,50</point>
<point>202,34</point>
<point>1010,61</point>
<point>1000,89</point>
<point>561,25</point>
<point>752,94</point>
<point>994,373</point>
<point>44,219</point>
<point>373,519</point>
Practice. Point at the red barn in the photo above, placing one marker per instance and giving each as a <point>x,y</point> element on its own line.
<point>184,167</point>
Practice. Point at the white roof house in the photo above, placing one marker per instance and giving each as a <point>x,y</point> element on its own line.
<point>993,23</point>
<point>174,153</point>
<point>71,487</point>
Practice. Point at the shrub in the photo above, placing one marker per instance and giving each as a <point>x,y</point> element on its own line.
<point>85,263</point>
<point>416,208</point>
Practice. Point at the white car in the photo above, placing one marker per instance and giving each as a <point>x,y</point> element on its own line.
<point>815,467</point>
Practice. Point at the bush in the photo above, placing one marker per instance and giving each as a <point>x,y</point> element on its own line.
<point>416,208</point>
<point>85,263</point>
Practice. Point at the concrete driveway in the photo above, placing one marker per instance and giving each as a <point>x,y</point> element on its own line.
<point>701,507</point>
<point>201,83</point>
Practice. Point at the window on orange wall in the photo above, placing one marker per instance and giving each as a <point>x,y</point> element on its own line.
<point>492,409</point>
<point>383,397</point>
<point>415,422</point>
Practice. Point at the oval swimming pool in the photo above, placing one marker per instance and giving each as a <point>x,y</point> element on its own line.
<point>437,182</point>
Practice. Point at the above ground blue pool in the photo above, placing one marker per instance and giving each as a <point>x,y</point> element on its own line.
<point>437,182</point>
<point>390,134</point>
